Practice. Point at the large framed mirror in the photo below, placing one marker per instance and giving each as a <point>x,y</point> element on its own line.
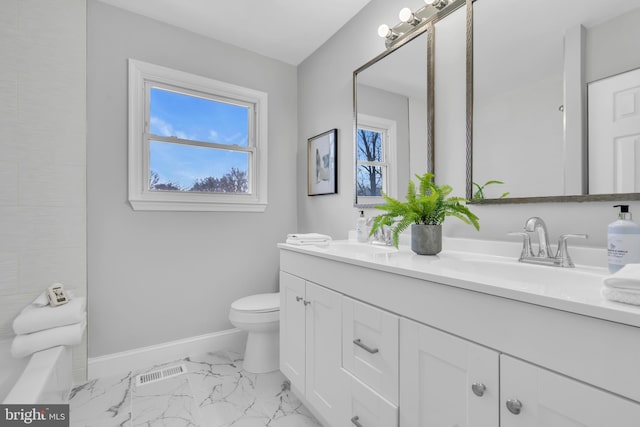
<point>556,101</point>
<point>391,107</point>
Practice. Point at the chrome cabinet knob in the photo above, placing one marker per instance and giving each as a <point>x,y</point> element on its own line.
<point>298,299</point>
<point>478,389</point>
<point>514,406</point>
<point>305,302</point>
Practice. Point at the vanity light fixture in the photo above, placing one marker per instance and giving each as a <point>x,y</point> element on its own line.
<point>411,21</point>
<point>407,16</point>
<point>438,4</point>
<point>388,34</point>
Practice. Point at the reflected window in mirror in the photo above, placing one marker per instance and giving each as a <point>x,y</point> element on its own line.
<point>391,103</point>
<point>374,165</point>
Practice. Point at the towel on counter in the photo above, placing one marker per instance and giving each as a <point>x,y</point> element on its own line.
<point>628,277</point>
<point>35,318</point>
<point>308,239</point>
<point>24,345</point>
<point>626,296</point>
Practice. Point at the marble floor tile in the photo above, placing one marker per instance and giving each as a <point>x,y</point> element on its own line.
<point>215,392</point>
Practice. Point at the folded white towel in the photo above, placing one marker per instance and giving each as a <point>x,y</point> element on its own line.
<point>308,239</point>
<point>628,277</point>
<point>626,296</point>
<point>24,345</point>
<point>34,318</point>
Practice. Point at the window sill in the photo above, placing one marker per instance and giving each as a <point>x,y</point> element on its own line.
<point>192,206</point>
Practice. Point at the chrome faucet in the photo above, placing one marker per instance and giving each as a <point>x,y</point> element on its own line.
<point>383,235</point>
<point>536,224</point>
<point>544,255</point>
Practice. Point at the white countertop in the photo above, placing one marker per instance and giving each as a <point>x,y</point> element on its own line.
<point>575,290</point>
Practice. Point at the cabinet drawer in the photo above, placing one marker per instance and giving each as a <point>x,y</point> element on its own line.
<point>370,347</point>
<point>367,408</point>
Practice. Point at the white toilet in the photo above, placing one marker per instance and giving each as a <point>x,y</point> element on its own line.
<point>259,315</point>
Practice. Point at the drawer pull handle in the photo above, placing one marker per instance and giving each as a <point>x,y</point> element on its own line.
<point>478,389</point>
<point>514,406</point>
<point>355,421</point>
<point>366,347</point>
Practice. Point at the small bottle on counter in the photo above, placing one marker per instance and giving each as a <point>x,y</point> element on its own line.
<point>623,240</point>
<point>361,228</point>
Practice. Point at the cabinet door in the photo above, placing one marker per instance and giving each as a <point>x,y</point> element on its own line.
<point>445,380</point>
<point>292,329</point>
<point>326,387</point>
<point>534,397</point>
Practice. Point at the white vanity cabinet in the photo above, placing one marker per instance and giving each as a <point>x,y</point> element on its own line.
<point>310,345</point>
<point>381,345</point>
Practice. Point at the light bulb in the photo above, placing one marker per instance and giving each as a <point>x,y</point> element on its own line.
<point>405,15</point>
<point>383,30</point>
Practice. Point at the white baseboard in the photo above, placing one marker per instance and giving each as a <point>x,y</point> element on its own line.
<point>144,357</point>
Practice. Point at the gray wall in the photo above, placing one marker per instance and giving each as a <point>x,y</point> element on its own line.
<point>42,154</point>
<point>161,276</point>
<point>324,94</point>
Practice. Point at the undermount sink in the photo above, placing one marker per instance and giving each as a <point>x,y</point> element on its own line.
<point>526,277</point>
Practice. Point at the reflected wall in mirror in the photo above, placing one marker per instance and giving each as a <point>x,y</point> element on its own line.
<point>390,112</point>
<point>531,69</point>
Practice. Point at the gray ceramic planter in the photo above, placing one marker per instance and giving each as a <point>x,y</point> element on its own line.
<point>426,239</point>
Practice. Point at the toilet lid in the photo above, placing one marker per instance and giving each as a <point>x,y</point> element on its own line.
<point>259,303</point>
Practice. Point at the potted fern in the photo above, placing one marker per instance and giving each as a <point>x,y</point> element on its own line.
<point>425,210</point>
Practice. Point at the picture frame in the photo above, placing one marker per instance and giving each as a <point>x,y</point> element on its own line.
<point>322,161</point>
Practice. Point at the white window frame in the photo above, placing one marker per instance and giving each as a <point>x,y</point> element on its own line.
<point>141,75</point>
<point>389,172</point>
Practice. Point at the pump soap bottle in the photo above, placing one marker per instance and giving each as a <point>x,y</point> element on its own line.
<point>623,240</point>
<point>361,228</point>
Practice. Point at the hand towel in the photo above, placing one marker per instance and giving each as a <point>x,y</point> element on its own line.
<point>628,277</point>
<point>626,296</point>
<point>33,318</point>
<point>24,345</point>
<point>308,239</point>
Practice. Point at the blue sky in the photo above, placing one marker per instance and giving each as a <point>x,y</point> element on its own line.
<point>189,117</point>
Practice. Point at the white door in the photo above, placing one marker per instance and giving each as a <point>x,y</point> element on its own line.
<point>614,134</point>
<point>534,397</point>
<point>327,389</point>
<point>292,329</point>
<point>445,380</point>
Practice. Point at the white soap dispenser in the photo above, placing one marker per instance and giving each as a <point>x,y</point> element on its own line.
<point>361,228</point>
<point>623,240</point>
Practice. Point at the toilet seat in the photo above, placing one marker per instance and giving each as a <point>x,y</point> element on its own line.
<point>260,303</point>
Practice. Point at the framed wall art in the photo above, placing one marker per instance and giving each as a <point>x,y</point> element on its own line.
<point>322,163</point>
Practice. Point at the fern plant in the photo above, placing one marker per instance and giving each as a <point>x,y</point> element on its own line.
<point>429,204</point>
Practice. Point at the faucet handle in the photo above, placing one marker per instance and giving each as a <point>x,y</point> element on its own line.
<point>526,243</point>
<point>562,256</point>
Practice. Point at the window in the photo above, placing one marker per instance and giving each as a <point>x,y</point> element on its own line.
<point>374,174</point>
<point>195,143</point>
